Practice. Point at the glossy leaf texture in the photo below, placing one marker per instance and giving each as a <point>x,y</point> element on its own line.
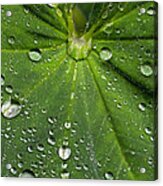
<point>93,118</point>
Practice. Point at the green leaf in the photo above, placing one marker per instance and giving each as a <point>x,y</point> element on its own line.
<point>79,91</point>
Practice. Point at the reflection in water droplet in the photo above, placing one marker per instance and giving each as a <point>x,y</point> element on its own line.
<point>151,11</point>
<point>35,55</point>
<point>142,107</point>
<point>142,170</point>
<point>11,109</point>
<point>11,40</point>
<point>146,70</point>
<point>64,152</point>
<point>27,174</point>
<point>8,13</point>
<point>9,89</point>
<point>105,54</point>
<point>109,176</point>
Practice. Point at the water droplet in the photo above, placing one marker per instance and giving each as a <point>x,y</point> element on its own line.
<point>9,89</point>
<point>8,166</point>
<point>148,130</point>
<point>11,40</point>
<point>35,55</point>
<point>151,11</point>
<point>65,175</point>
<point>50,120</point>
<point>27,174</point>
<point>8,13</point>
<point>109,176</point>
<point>30,149</point>
<point>64,152</point>
<point>51,141</point>
<point>67,125</point>
<point>142,11</point>
<point>13,170</point>
<point>142,107</point>
<point>11,109</point>
<point>40,147</point>
<point>2,80</point>
<point>105,54</point>
<point>142,170</point>
<point>146,70</point>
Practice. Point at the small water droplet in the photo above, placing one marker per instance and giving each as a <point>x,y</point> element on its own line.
<point>151,11</point>
<point>51,141</point>
<point>142,107</point>
<point>8,166</point>
<point>142,170</point>
<point>9,89</point>
<point>30,149</point>
<point>35,55</point>
<point>148,130</point>
<point>109,176</point>
<point>11,109</point>
<point>67,125</point>
<point>65,175</point>
<point>142,11</point>
<point>11,40</point>
<point>146,70</point>
<point>105,54</point>
<point>8,13</point>
<point>40,147</point>
<point>27,174</point>
<point>13,170</point>
<point>64,152</point>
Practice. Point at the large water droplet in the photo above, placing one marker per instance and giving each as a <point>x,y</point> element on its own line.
<point>64,152</point>
<point>27,174</point>
<point>35,55</point>
<point>105,54</point>
<point>109,176</point>
<point>146,70</point>
<point>11,109</point>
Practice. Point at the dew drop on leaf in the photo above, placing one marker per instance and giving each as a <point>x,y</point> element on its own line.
<point>8,166</point>
<point>148,130</point>
<point>67,125</point>
<point>109,176</point>
<point>40,147</point>
<point>64,153</point>
<point>146,70</point>
<point>142,11</point>
<point>11,109</point>
<point>51,141</point>
<point>13,170</point>
<point>142,170</point>
<point>65,175</point>
<point>105,54</point>
<point>35,55</point>
<point>8,13</point>
<point>27,174</point>
<point>151,11</point>
<point>9,89</point>
<point>11,40</point>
